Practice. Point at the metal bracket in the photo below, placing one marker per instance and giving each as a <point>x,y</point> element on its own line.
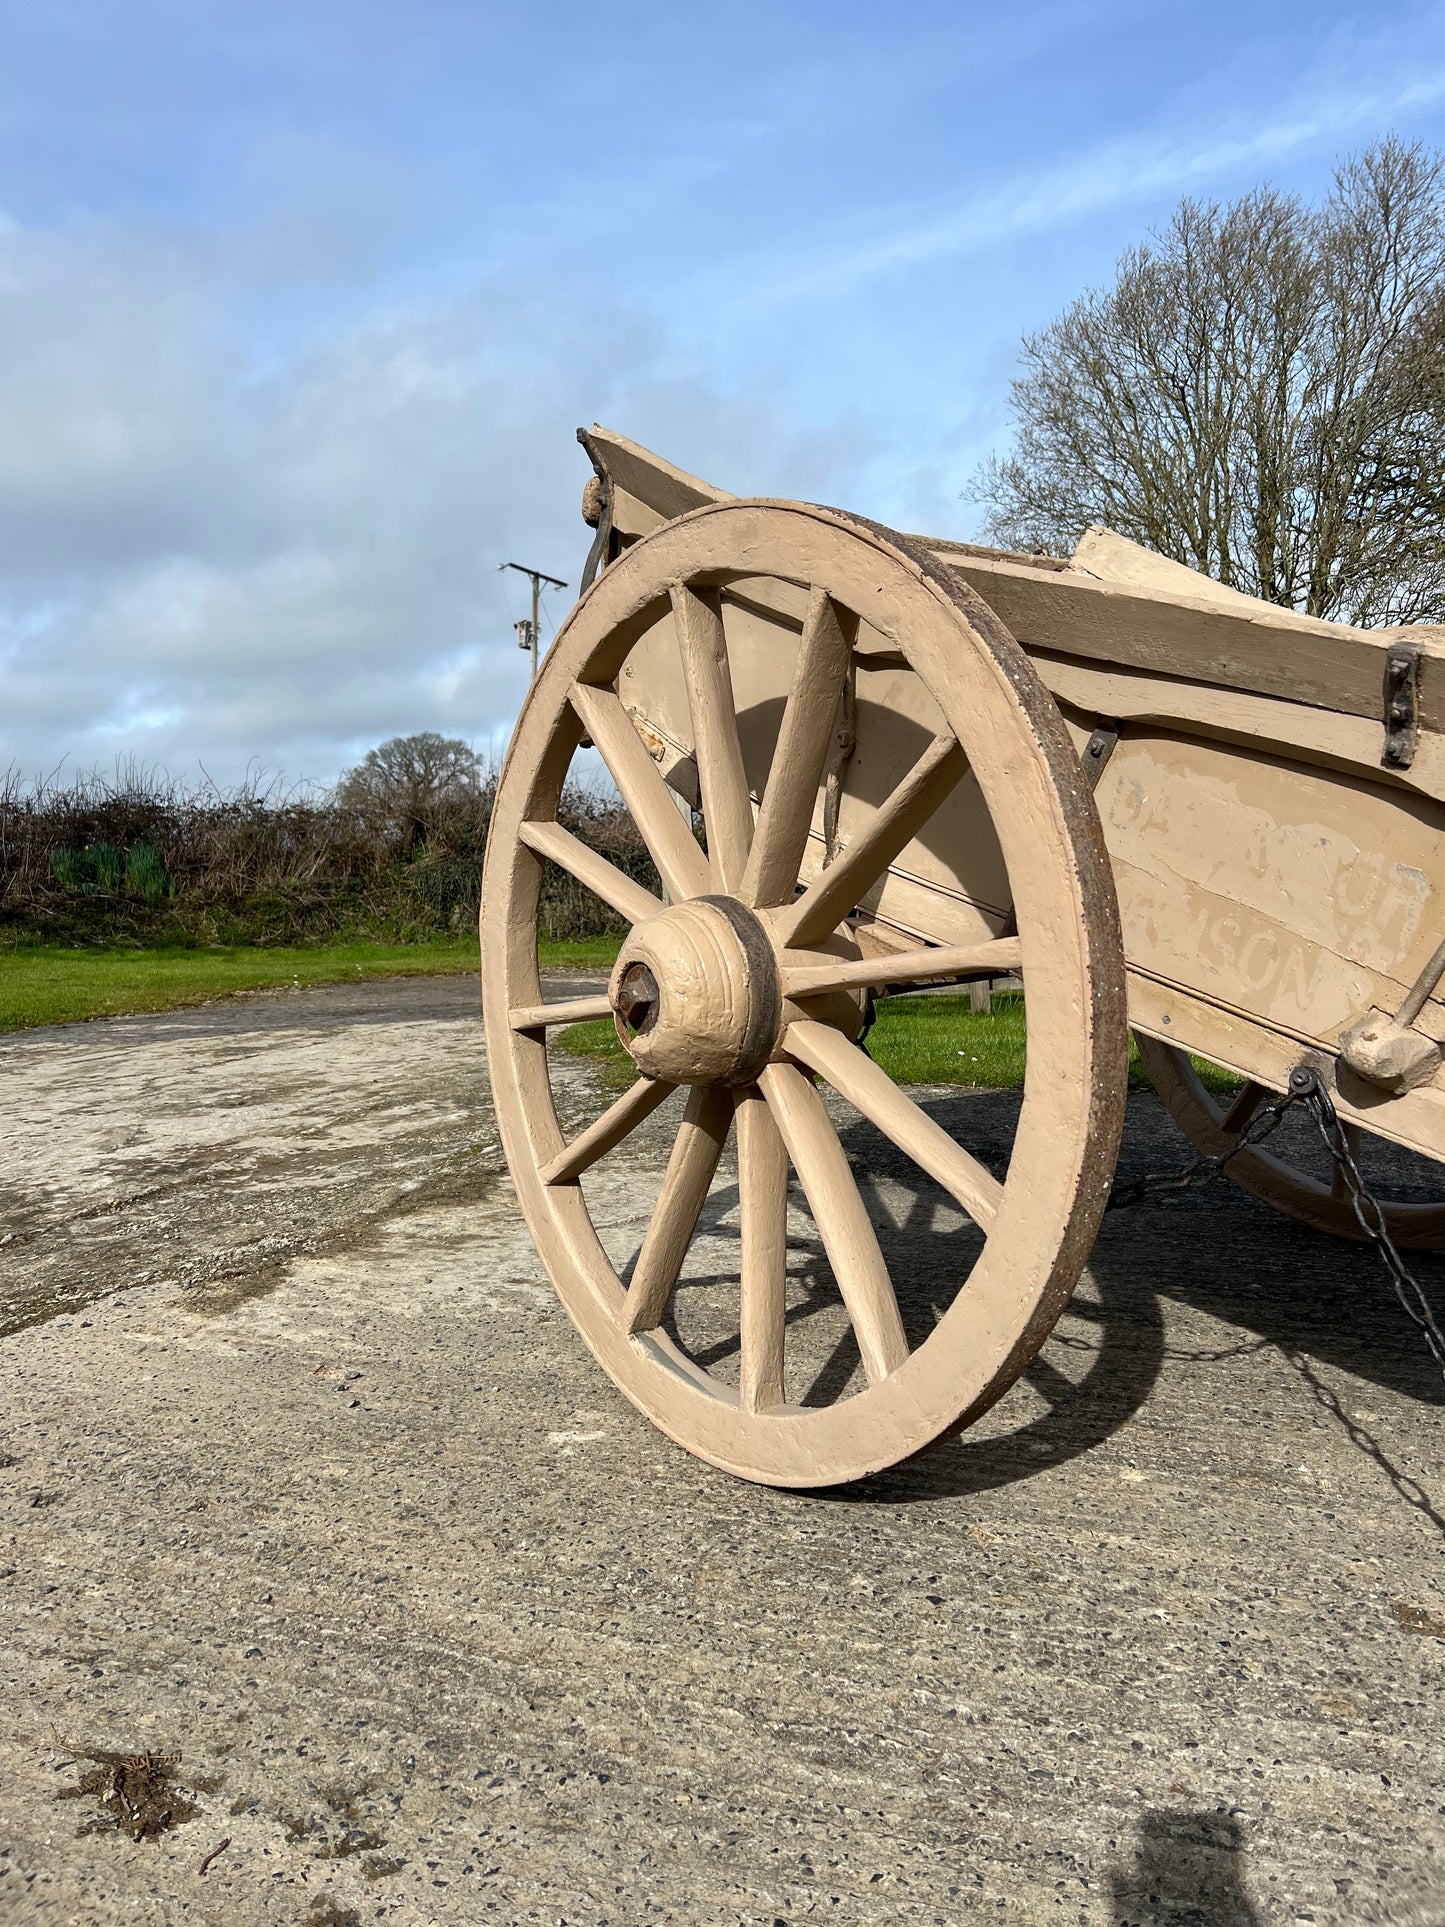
<point>1097,751</point>
<point>845,741</point>
<point>1402,690</point>
<point>600,554</point>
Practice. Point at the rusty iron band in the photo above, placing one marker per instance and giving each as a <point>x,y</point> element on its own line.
<point>765,997</point>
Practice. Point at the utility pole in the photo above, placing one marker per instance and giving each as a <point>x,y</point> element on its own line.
<point>527,636</point>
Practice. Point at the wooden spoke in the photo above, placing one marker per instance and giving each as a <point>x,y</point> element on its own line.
<point>1236,1118</point>
<point>614,1124</point>
<point>602,878</point>
<point>726,807</point>
<point>684,1191</point>
<point>854,1075</point>
<point>898,819</point>
<point>727,613</point>
<point>574,1010</point>
<point>763,1210</point>
<point>841,1217</point>
<point>670,843</point>
<point>997,959</point>
<point>801,753</point>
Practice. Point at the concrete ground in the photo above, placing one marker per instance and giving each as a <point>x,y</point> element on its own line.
<point>306,1478</point>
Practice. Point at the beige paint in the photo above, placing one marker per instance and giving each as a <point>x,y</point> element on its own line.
<point>1264,858</point>
<point>1116,603</point>
<point>753,599</point>
<point>1386,1052</point>
<point>706,995</point>
<point>853,714</point>
<point>1113,558</point>
<point>1318,737</point>
<point>1295,897</point>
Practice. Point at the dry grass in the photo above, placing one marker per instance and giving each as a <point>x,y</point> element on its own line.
<point>139,859</point>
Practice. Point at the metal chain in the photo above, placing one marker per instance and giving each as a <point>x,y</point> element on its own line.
<point>1204,1170</point>
<point>1309,1085</point>
<point>1307,1090</point>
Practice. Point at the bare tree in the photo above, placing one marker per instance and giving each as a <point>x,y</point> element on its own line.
<point>404,784</point>
<point>1260,395</point>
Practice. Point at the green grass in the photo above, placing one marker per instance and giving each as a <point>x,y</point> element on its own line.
<point>939,1040</point>
<point>599,1042</point>
<point>590,953</point>
<point>50,985</point>
<point>917,1040</point>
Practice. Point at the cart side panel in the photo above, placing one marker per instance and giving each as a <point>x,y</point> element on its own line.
<point>949,885</point>
<point>1288,898</point>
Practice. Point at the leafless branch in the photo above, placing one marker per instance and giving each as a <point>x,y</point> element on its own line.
<point>1260,395</point>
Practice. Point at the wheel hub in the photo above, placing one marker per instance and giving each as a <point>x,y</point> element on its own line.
<point>695,994</point>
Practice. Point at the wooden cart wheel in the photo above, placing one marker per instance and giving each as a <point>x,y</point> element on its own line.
<point>732,990</point>
<point>1211,1124</point>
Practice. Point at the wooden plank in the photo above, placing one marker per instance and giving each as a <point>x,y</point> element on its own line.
<point>869,1088</point>
<point>1116,603</point>
<point>1252,722</point>
<point>726,805</point>
<point>1108,557</point>
<point>636,1103</point>
<point>840,1216</point>
<point>993,959</point>
<point>763,1223</point>
<point>573,1010</point>
<point>1297,897</point>
<point>653,807</point>
<point>804,739</point>
<point>1415,1120</point>
<point>690,1170</point>
<point>661,490</point>
<point>628,898</point>
<point>892,826</point>
<point>1270,651</point>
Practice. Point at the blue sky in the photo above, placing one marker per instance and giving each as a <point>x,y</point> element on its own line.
<point>300,304</point>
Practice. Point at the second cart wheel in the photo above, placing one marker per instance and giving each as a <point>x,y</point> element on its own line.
<point>1212,1124</point>
<point>741,994</point>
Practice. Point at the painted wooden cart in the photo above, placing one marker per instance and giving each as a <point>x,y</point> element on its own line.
<point>1161,804</point>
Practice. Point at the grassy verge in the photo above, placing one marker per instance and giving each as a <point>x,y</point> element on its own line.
<point>579,953</point>
<point>50,985</point>
<point>917,1040</point>
<point>599,1042</point>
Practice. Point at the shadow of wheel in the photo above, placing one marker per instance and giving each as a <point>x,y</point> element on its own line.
<point>1091,1377</point>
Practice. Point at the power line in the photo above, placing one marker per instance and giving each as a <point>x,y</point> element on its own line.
<point>527,635</point>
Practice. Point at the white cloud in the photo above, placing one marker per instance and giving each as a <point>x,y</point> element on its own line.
<point>203,564</point>
<point>1141,169</point>
<point>254,486</point>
